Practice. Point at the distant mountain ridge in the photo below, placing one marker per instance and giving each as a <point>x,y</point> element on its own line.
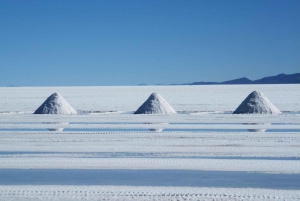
<point>278,79</point>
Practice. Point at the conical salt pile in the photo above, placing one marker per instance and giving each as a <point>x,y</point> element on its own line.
<point>55,104</point>
<point>155,104</point>
<point>256,103</point>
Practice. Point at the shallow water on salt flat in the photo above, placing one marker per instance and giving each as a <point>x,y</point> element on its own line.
<point>182,178</point>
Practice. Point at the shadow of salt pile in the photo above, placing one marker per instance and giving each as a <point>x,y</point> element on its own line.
<point>157,130</point>
<point>56,104</point>
<point>256,103</point>
<point>155,104</point>
<point>259,129</point>
<point>63,124</point>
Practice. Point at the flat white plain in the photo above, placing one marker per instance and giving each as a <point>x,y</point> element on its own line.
<point>205,153</point>
<point>129,98</point>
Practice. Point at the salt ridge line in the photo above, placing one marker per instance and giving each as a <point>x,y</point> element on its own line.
<point>254,151</point>
<point>154,155</point>
<point>168,135</point>
<point>265,166</point>
<point>205,152</point>
<point>250,150</point>
<point>199,142</point>
<point>147,126</point>
<point>184,142</point>
<point>141,193</point>
<point>151,138</point>
<point>204,137</point>
<point>182,136</point>
<point>154,118</point>
<point>150,133</point>
<point>179,141</point>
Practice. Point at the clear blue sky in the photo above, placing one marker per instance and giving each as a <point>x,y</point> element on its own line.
<point>109,42</point>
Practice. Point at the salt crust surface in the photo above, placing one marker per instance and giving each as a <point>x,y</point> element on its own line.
<point>130,150</point>
<point>129,98</point>
<point>146,193</point>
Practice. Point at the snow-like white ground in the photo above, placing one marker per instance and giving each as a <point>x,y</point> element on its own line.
<point>203,153</point>
<point>182,98</point>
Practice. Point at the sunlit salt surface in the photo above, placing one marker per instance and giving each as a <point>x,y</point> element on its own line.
<point>106,152</point>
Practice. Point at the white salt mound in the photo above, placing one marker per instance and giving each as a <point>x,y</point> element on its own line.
<point>256,103</point>
<point>55,104</point>
<point>155,104</point>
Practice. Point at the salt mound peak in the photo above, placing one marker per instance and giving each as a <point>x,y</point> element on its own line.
<point>55,104</point>
<point>155,104</point>
<point>256,103</point>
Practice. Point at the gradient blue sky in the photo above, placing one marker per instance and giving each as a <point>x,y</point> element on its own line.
<point>109,42</point>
